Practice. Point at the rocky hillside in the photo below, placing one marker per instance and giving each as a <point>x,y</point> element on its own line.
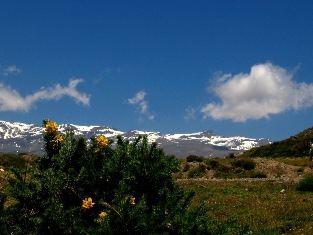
<point>295,146</point>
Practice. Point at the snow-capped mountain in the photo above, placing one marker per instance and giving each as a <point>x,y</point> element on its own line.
<point>27,138</point>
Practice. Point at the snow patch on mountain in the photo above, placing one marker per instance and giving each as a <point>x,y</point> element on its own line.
<point>22,137</point>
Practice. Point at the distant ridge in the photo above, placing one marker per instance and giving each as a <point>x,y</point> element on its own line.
<point>17,137</point>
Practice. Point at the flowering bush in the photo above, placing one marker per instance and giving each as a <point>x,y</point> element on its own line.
<point>98,188</point>
<point>51,127</point>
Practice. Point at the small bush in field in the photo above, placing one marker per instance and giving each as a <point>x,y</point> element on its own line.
<point>186,167</point>
<point>306,184</point>
<point>301,169</point>
<point>258,175</point>
<point>202,167</point>
<point>92,188</point>
<point>224,169</point>
<point>246,164</point>
<point>231,155</point>
<point>213,164</point>
<point>194,158</point>
<point>9,160</point>
<point>195,173</point>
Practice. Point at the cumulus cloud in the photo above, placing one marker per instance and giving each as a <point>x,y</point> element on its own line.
<point>139,101</point>
<point>11,100</point>
<point>11,69</point>
<point>266,90</point>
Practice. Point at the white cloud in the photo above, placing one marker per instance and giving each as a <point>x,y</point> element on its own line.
<point>190,114</point>
<point>11,100</point>
<point>268,89</point>
<point>11,69</point>
<point>139,101</point>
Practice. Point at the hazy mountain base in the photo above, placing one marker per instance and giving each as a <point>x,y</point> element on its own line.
<point>193,147</point>
<point>180,150</point>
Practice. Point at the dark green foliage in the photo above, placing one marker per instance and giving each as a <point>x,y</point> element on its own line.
<point>212,164</point>
<point>246,164</point>
<point>194,158</point>
<point>2,213</point>
<point>306,184</point>
<point>195,172</point>
<point>224,169</point>
<point>223,172</point>
<point>202,167</point>
<point>301,169</point>
<point>17,160</point>
<point>231,155</point>
<point>295,146</point>
<point>186,167</point>
<point>131,183</point>
<point>258,174</point>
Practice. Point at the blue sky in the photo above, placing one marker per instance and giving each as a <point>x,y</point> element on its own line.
<point>239,68</point>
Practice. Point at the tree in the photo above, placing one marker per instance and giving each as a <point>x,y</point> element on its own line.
<point>93,187</point>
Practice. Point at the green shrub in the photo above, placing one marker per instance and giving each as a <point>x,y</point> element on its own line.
<point>10,160</point>
<point>258,174</point>
<point>195,172</point>
<point>213,164</point>
<point>301,169</point>
<point>224,169</point>
<point>202,167</point>
<point>186,167</point>
<point>80,188</point>
<point>194,158</point>
<point>306,184</point>
<point>246,164</point>
<point>223,172</point>
<point>231,155</point>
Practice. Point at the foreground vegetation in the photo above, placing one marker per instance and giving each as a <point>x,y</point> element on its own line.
<point>235,195</point>
<point>92,188</point>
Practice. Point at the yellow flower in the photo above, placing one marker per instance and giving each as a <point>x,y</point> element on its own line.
<point>132,201</point>
<point>102,141</point>
<point>51,127</point>
<point>87,203</point>
<point>59,138</point>
<point>102,214</point>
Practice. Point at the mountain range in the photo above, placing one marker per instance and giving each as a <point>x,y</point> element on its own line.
<point>17,137</point>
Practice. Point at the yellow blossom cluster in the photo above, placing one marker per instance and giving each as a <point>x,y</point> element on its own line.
<point>51,127</point>
<point>57,140</point>
<point>102,214</point>
<point>132,201</point>
<point>102,141</point>
<point>87,203</point>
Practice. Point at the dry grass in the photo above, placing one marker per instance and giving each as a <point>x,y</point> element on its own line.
<point>270,205</point>
<point>267,207</point>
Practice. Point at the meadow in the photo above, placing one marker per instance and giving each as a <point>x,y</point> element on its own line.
<point>262,199</point>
